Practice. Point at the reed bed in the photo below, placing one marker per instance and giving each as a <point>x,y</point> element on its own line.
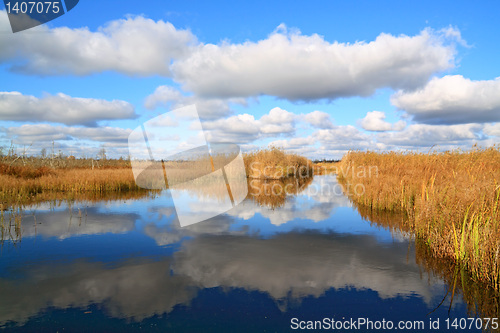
<point>326,168</point>
<point>275,163</point>
<point>23,184</point>
<point>451,200</point>
<point>27,179</point>
<point>63,162</point>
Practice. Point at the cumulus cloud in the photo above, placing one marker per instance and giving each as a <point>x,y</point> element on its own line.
<point>375,121</point>
<point>245,128</point>
<point>62,108</point>
<point>132,46</point>
<point>293,143</point>
<point>208,108</point>
<point>27,134</point>
<point>342,138</point>
<point>331,142</point>
<point>297,67</point>
<point>452,99</point>
<point>492,129</point>
<point>335,142</point>
<point>319,119</point>
<point>422,135</point>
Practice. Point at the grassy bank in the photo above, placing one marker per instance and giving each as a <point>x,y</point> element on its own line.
<point>28,182</point>
<point>27,179</point>
<point>451,200</point>
<point>275,163</point>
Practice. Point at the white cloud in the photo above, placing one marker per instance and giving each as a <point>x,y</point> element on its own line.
<point>133,46</point>
<point>342,138</point>
<point>62,108</point>
<point>294,143</point>
<point>375,121</point>
<point>163,95</point>
<point>27,134</point>
<point>328,143</point>
<point>278,121</point>
<point>492,129</point>
<point>422,135</point>
<point>298,67</point>
<point>452,100</point>
<point>244,128</point>
<point>335,142</point>
<point>319,119</point>
<point>208,108</point>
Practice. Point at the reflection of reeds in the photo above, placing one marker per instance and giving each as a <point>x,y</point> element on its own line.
<point>10,225</point>
<point>11,217</point>
<point>394,221</point>
<point>273,193</point>
<point>482,300</point>
<point>274,163</point>
<point>452,200</point>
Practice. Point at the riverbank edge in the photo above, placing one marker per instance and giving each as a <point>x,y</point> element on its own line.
<point>451,201</point>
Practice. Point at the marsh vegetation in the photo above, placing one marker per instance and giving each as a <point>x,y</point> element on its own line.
<point>275,163</point>
<point>451,201</point>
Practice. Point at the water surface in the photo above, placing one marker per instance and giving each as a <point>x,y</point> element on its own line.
<point>126,265</point>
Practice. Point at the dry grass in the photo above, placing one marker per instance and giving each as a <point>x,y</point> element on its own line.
<point>326,168</point>
<point>451,199</point>
<point>27,179</point>
<point>63,162</point>
<point>24,184</point>
<point>274,163</point>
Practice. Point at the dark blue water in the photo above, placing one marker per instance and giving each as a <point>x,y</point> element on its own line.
<point>129,266</point>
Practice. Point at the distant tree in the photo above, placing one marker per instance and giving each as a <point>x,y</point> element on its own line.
<point>43,152</point>
<point>102,154</point>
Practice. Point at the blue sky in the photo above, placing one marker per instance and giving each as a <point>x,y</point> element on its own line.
<point>317,78</point>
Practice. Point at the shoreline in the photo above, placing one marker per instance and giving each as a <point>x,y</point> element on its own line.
<point>451,201</point>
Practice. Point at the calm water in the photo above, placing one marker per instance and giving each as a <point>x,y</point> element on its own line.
<point>128,265</point>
